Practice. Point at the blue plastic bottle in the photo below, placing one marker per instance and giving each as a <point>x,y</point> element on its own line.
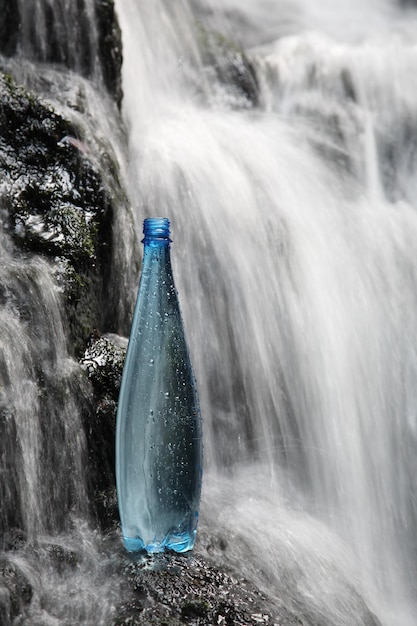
<point>158,438</point>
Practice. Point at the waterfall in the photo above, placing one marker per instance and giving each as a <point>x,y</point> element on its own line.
<point>28,297</point>
<point>294,221</point>
<point>60,31</point>
<point>279,137</point>
<point>50,548</point>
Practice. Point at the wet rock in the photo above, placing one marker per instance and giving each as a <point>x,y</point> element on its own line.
<point>231,67</point>
<point>103,362</point>
<point>56,203</point>
<point>106,508</point>
<point>110,47</point>
<point>9,26</point>
<point>100,429</point>
<point>61,558</point>
<point>15,591</point>
<point>171,589</point>
<point>11,457</point>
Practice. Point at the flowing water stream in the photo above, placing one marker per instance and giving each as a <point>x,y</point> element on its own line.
<point>293,204</point>
<point>294,227</point>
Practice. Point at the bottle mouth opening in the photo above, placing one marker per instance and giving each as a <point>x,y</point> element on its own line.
<point>156,228</point>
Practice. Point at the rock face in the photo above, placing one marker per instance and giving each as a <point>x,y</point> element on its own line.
<point>110,47</point>
<point>103,362</point>
<point>55,203</point>
<point>172,589</point>
<point>232,68</point>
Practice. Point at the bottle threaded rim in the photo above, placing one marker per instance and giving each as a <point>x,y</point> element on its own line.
<point>156,228</point>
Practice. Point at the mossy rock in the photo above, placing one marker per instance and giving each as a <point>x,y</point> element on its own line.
<point>56,200</point>
<point>56,203</point>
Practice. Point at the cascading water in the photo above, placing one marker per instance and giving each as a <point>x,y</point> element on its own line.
<point>41,501</point>
<point>301,295</point>
<point>49,546</point>
<point>45,29</point>
<point>289,181</point>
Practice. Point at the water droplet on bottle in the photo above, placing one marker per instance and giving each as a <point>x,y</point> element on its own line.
<point>163,337</point>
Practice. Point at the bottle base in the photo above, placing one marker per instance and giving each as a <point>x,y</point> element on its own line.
<point>178,542</point>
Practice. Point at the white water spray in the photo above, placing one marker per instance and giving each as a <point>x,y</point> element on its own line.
<point>298,277</point>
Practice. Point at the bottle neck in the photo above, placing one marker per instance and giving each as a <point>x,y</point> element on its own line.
<point>156,252</point>
<point>157,277</point>
<point>156,232</point>
<point>156,267</point>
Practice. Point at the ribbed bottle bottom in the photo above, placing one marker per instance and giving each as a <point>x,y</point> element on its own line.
<point>179,542</point>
